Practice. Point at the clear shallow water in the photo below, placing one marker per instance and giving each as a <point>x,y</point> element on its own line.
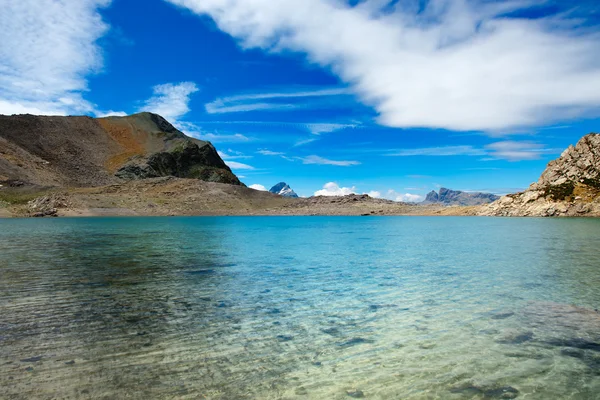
<point>300,307</point>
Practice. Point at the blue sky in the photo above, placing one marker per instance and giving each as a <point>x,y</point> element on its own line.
<point>393,98</point>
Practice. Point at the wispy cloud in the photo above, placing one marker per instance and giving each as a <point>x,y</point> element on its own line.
<point>313,159</point>
<point>517,151</point>
<point>266,152</point>
<point>510,150</point>
<point>305,141</point>
<point>218,138</point>
<point>453,64</point>
<point>440,151</point>
<point>238,165</point>
<point>232,155</point>
<point>47,50</point>
<point>272,101</point>
<point>317,129</point>
<point>171,100</point>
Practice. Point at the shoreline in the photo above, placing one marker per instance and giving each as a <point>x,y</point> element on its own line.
<point>169,196</point>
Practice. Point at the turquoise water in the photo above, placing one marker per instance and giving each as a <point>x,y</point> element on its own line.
<point>299,307</point>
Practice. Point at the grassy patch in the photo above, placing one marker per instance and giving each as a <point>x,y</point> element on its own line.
<point>18,197</point>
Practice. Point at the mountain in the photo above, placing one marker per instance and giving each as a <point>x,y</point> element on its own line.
<point>283,189</point>
<point>569,186</point>
<point>459,198</point>
<point>85,151</point>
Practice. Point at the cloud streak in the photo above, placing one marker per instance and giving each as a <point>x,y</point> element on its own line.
<point>238,165</point>
<point>454,64</point>
<point>313,159</point>
<point>274,101</point>
<point>504,150</point>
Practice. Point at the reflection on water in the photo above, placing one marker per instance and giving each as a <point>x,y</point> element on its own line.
<point>244,308</point>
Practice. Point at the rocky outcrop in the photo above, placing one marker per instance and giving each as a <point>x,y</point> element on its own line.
<point>570,186</point>
<point>84,151</point>
<point>188,160</point>
<point>283,189</point>
<point>459,198</point>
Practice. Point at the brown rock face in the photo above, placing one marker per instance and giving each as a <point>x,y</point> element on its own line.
<point>84,151</point>
<point>570,186</point>
<point>576,164</point>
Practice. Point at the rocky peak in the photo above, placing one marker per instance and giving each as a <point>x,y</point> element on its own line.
<point>432,197</point>
<point>577,163</point>
<point>283,189</point>
<point>570,186</point>
<point>457,197</point>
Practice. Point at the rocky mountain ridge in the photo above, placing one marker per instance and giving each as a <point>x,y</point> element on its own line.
<point>569,186</point>
<point>459,198</point>
<point>86,152</point>
<point>283,189</point>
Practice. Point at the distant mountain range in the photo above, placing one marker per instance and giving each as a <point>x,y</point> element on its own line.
<point>459,198</point>
<point>283,189</point>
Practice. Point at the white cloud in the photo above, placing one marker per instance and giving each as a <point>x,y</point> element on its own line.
<point>260,101</point>
<point>440,151</point>
<point>453,64</point>
<point>333,189</point>
<point>517,151</point>
<point>305,141</point>
<point>324,161</point>
<point>171,100</point>
<point>318,128</point>
<point>217,138</point>
<point>266,152</point>
<point>238,165</point>
<point>256,186</point>
<point>510,150</point>
<point>47,49</point>
<point>232,155</point>
<point>103,114</point>
<point>403,197</point>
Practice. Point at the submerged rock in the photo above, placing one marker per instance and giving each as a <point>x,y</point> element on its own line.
<point>355,393</point>
<point>32,359</point>
<point>503,315</point>
<point>500,392</point>
<point>515,338</point>
<point>285,338</point>
<point>356,341</point>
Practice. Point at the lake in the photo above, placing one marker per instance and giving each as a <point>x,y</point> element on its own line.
<point>300,307</point>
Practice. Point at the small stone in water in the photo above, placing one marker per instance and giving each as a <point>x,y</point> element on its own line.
<point>355,341</point>
<point>503,315</point>
<point>301,391</point>
<point>357,394</point>
<point>32,359</point>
